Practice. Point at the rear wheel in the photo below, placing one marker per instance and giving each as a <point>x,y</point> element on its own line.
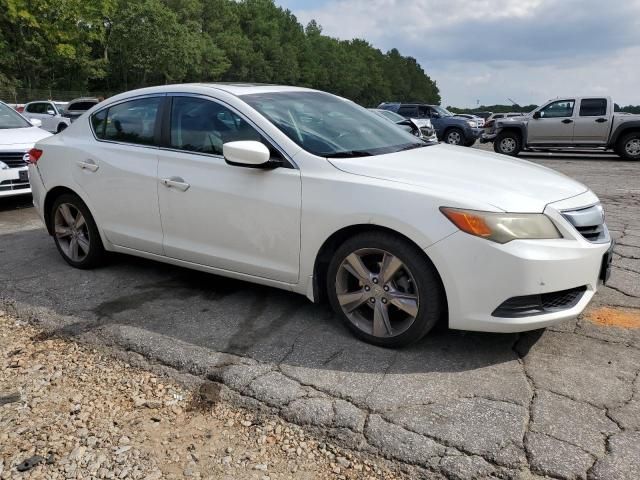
<point>628,146</point>
<point>75,232</point>
<point>508,143</point>
<point>384,290</point>
<point>454,136</point>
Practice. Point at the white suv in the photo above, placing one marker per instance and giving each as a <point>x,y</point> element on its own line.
<point>49,113</point>
<point>309,192</point>
<point>17,136</point>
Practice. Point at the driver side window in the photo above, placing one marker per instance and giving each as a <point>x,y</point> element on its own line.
<point>559,109</point>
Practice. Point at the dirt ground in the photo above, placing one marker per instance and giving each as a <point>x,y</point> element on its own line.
<point>68,411</point>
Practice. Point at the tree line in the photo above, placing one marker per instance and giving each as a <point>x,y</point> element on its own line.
<point>117,45</point>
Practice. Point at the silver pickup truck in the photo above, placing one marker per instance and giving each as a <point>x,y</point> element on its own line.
<point>569,123</point>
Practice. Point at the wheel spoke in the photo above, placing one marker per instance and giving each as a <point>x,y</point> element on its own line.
<point>73,249</point>
<point>408,303</point>
<point>79,221</point>
<point>352,300</point>
<point>66,214</point>
<point>381,323</point>
<point>62,231</point>
<point>390,266</point>
<point>353,264</point>
<point>83,243</point>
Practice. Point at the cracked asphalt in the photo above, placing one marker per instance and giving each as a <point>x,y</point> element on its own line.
<point>562,403</point>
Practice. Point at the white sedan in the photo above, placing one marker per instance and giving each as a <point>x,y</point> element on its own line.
<point>302,190</point>
<point>17,137</point>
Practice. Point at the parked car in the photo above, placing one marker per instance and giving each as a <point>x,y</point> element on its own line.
<point>78,106</point>
<point>421,128</point>
<point>479,121</point>
<point>17,137</point>
<point>491,121</point>
<point>483,114</point>
<point>449,128</point>
<point>49,113</point>
<point>305,191</point>
<point>569,123</point>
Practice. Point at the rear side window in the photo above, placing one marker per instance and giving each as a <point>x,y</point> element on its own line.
<point>37,108</point>
<point>408,111</point>
<point>128,122</point>
<point>593,107</point>
<point>80,106</point>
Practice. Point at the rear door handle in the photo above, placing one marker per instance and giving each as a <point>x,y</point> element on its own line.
<point>566,120</point>
<point>175,182</point>
<point>88,165</point>
<point>602,120</point>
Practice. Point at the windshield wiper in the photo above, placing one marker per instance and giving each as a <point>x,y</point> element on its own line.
<point>411,146</point>
<point>348,154</point>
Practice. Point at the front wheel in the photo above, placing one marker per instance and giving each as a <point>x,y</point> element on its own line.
<point>507,143</point>
<point>75,232</point>
<point>628,146</point>
<point>454,136</point>
<point>384,289</point>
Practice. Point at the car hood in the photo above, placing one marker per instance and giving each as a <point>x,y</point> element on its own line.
<point>469,177</point>
<point>21,136</point>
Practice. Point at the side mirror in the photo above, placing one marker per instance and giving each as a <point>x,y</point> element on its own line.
<point>50,112</point>
<point>248,153</point>
<point>36,122</point>
<point>435,115</point>
<point>536,115</point>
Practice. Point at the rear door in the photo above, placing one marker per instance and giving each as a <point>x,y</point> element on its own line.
<point>555,124</point>
<point>593,122</point>
<point>38,111</point>
<point>119,169</point>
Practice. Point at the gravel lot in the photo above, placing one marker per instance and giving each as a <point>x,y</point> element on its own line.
<point>564,402</point>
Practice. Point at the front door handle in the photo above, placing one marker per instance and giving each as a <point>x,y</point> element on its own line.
<point>602,120</point>
<point>88,165</point>
<point>566,120</point>
<point>175,182</point>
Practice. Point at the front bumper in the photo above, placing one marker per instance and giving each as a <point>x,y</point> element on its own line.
<point>14,181</point>
<point>480,275</point>
<point>488,137</point>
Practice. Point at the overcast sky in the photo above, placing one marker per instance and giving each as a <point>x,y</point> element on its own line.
<point>488,50</point>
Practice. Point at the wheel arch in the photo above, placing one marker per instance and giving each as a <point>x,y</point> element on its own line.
<point>325,253</point>
<point>625,128</point>
<point>50,198</point>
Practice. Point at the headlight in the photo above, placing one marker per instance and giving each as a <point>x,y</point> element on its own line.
<point>502,227</point>
<point>471,123</point>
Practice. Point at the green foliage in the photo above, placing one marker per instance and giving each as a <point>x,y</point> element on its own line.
<point>114,45</point>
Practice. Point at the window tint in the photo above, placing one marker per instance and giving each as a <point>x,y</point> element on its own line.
<point>561,108</point>
<point>37,108</point>
<point>424,112</point>
<point>98,122</point>
<point>131,122</point>
<point>408,111</point>
<point>81,106</point>
<point>200,125</point>
<point>593,107</point>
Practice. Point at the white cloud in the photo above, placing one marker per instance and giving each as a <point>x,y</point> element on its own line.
<point>528,50</point>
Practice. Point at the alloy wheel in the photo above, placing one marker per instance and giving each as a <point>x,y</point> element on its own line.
<point>377,292</point>
<point>454,138</point>
<point>71,232</point>
<point>632,147</point>
<point>507,145</point>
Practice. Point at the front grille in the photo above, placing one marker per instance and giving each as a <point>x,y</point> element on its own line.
<point>13,159</point>
<point>589,222</point>
<point>539,304</point>
<point>13,185</point>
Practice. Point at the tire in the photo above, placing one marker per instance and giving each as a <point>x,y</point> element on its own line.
<point>454,136</point>
<point>88,251</point>
<point>508,143</point>
<point>362,300</point>
<point>628,146</point>
<point>470,143</point>
<point>61,127</point>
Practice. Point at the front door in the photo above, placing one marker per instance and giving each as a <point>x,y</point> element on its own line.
<point>244,220</point>
<point>592,124</point>
<point>554,124</point>
<point>118,172</point>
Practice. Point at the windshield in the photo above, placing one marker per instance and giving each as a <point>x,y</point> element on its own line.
<point>9,118</point>
<point>330,126</point>
<point>442,111</point>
